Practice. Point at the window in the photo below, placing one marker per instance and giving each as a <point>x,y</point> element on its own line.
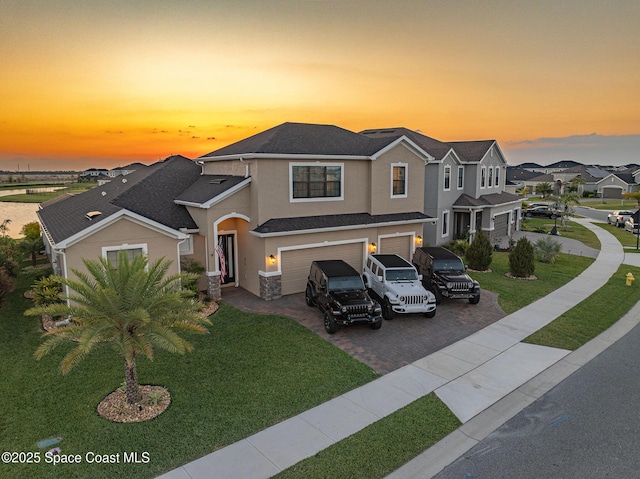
<point>399,180</point>
<point>483,177</point>
<point>490,176</point>
<point>445,223</point>
<point>460,177</point>
<point>309,183</point>
<point>447,178</point>
<point>497,176</point>
<point>111,252</point>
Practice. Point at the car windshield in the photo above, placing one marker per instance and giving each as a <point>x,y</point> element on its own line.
<point>406,274</point>
<point>345,282</point>
<point>448,265</point>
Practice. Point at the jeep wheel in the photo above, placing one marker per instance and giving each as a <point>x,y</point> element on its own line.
<point>430,314</point>
<point>387,310</point>
<point>474,299</point>
<point>376,325</point>
<point>330,325</point>
<point>308,296</point>
<point>436,292</point>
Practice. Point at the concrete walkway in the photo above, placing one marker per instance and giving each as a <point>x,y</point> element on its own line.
<point>484,379</point>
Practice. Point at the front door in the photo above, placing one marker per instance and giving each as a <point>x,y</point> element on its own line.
<point>227,256</point>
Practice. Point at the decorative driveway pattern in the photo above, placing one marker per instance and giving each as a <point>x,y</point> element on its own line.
<point>399,342</point>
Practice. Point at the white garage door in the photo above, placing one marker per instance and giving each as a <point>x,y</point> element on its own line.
<point>296,263</point>
<point>396,245</point>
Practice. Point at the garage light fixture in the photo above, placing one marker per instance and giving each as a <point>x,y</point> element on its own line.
<point>272,259</point>
<point>374,247</point>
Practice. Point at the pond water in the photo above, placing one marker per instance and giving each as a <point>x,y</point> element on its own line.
<point>19,213</point>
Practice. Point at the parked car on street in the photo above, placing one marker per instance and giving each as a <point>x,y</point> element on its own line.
<point>631,226</point>
<point>395,283</point>
<point>541,212</point>
<point>618,218</point>
<point>336,288</point>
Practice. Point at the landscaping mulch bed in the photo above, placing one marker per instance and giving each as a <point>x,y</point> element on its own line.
<point>114,407</point>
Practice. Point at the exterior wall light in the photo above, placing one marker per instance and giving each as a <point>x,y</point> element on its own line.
<point>419,239</point>
<point>374,247</point>
<point>272,259</point>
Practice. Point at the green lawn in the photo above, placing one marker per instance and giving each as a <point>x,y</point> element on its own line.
<point>626,239</point>
<point>250,372</point>
<point>382,447</point>
<point>609,204</point>
<point>73,188</point>
<point>572,230</point>
<point>592,316</point>
<point>516,293</point>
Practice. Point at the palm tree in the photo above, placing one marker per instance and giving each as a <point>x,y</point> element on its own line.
<point>32,247</point>
<point>134,306</point>
<point>564,202</point>
<point>544,189</point>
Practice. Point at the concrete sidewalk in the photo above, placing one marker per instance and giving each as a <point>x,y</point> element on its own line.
<point>488,368</point>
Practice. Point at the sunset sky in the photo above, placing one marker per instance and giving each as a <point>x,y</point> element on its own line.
<point>106,83</point>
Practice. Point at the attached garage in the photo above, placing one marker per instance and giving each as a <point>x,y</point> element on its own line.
<point>501,225</point>
<point>612,192</point>
<point>397,245</point>
<point>295,263</point>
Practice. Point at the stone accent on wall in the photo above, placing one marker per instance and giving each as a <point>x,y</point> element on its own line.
<point>270,287</point>
<point>213,287</point>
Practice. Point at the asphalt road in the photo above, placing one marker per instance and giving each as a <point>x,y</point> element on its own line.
<point>599,215</point>
<point>588,427</point>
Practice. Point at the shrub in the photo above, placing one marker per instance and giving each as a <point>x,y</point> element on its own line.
<point>480,252</point>
<point>521,258</point>
<point>47,291</point>
<point>546,250</point>
<point>9,255</point>
<point>6,284</point>
<point>459,247</point>
<point>190,265</point>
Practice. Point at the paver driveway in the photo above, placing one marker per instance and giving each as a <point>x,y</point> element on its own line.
<point>399,342</point>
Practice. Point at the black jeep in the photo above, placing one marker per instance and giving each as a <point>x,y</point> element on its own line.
<point>337,289</point>
<point>444,274</point>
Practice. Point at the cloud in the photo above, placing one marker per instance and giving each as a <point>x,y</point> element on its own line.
<point>590,148</point>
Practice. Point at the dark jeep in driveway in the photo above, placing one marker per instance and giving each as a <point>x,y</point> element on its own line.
<point>337,289</point>
<point>444,274</point>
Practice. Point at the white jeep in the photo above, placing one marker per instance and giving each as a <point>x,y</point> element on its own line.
<point>395,283</point>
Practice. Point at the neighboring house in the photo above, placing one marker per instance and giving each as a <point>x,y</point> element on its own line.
<point>257,212</point>
<point>615,184</point>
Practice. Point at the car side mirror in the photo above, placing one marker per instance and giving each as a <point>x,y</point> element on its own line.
<point>380,279</point>
<point>419,277</point>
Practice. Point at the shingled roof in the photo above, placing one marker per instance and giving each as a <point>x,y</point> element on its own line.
<point>148,191</point>
<point>492,199</point>
<point>304,139</point>
<point>320,222</point>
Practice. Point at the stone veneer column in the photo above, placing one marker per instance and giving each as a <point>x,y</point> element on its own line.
<point>213,287</point>
<point>271,287</point>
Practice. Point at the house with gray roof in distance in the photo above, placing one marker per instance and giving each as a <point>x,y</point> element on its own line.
<point>257,212</point>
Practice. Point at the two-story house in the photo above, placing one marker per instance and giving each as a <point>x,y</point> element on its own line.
<point>464,188</point>
<point>257,212</point>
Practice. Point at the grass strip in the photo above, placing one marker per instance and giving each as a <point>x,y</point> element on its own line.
<point>572,230</point>
<point>514,294</point>
<point>592,316</point>
<point>383,446</point>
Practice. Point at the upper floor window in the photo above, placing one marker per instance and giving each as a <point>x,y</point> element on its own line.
<point>497,176</point>
<point>490,176</point>
<point>483,177</point>
<point>460,177</point>
<point>316,182</point>
<point>399,180</point>
<point>447,178</point>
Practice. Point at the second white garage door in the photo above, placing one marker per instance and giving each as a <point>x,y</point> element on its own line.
<point>296,263</point>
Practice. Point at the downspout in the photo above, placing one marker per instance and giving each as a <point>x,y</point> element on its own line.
<point>64,273</point>
<point>246,171</point>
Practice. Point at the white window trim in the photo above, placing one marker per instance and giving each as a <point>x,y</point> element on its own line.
<point>483,177</point>
<point>446,216</point>
<point>125,246</point>
<point>406,179</point>
<point>315,200</point>
<point>444,178</point>
<point>460,186</point>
